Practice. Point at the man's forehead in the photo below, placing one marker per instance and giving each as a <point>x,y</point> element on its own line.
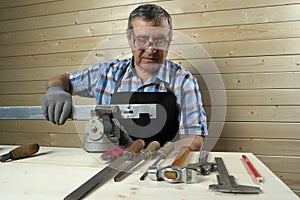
<point>151,31</point>
<point>139,22</point>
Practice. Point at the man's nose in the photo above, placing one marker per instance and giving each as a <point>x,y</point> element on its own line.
<point>151,47</point>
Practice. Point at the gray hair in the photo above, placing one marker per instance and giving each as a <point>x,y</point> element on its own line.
<point>149,12</point>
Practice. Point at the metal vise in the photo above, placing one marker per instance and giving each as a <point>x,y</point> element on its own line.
<point>102,131</point>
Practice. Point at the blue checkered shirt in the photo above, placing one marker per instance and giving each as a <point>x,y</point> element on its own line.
<point>100,80</point>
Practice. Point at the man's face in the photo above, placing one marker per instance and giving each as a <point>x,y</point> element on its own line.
<point>149,43</point>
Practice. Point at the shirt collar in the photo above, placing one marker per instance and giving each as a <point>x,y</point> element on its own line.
<point>163,74</point>
<point>130,72</point>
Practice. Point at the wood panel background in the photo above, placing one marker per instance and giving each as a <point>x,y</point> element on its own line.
<point>254,44</point>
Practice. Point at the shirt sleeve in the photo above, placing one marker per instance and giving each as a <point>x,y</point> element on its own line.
<point>193,116</point>
<point>83,82</point>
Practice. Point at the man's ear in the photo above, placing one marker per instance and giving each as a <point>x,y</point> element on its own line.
<point>129,37</point>
<point>171,36</point>
<point>128,34</point>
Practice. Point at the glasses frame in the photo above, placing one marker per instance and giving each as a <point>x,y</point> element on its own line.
<point>149,43</point>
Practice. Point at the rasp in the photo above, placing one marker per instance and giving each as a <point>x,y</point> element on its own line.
<point>108,172</point>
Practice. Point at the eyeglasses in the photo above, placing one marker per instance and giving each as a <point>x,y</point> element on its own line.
<point>156,37</point>
<point>143,42</point>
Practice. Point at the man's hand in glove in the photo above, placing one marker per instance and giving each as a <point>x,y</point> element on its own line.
<point>57,105</point>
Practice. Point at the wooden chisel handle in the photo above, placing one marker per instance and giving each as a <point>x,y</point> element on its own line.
<point>21,152</point>
<point>166,150</point>
<point>152,147</point>
<point>179,160</point>
<point>136,146</point>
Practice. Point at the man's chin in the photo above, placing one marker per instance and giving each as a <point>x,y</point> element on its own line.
<point>152,67</point>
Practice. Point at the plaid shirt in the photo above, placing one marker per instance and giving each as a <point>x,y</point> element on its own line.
<point>100,81</point>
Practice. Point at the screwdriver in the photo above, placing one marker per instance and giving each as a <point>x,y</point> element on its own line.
<point>20,152</point>
<point>143,155</point>
<point>162,153</point>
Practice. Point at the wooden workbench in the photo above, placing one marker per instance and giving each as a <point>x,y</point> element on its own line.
<point>55,172</point>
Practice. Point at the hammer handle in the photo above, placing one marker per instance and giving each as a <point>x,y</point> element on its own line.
<point>181,156</point>
<point>179,161</point>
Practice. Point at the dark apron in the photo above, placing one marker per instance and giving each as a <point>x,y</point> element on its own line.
<point>163,128</point>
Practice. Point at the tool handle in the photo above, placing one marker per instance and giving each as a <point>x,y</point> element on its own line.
<point>179,161</point>
<point>136,146</point>
<point>166,150</point>
<point>181,156</point>
<point>23,151</point>
<point>152,146</point>
<point>112,154</point>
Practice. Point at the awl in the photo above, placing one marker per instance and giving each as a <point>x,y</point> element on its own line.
<point>143,155</point>
<point>108,172</point>
<point>20,152</point>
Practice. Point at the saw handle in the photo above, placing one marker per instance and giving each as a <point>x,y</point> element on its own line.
<point>179,161</point>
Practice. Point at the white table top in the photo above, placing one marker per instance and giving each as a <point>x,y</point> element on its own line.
<point>55,172</point>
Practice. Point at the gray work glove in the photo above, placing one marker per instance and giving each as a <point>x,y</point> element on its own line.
<point>57,105</point>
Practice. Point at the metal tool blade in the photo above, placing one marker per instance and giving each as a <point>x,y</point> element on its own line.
<point>97,180</point>
<point>5,157</point>
<point>227,184</point>
<point>143,155</point>
<point>108,172</point>
<point>79,112</point>
<point>126,171</point>
<point>145,174</point>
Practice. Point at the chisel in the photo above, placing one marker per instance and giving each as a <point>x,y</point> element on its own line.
<point>144,155</point>
<point>108,172</point>
<point>20,152</point>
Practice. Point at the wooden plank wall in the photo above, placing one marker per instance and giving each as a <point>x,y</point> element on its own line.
<point>255,45</point>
